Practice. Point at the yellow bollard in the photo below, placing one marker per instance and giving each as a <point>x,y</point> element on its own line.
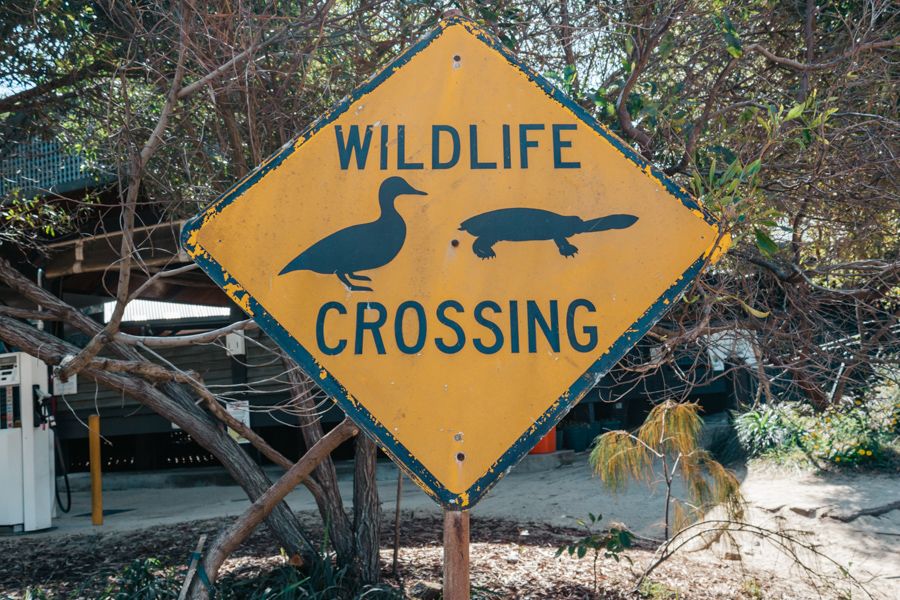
<point>96,470</point>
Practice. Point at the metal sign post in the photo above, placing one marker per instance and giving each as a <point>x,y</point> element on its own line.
<point>456,253</point>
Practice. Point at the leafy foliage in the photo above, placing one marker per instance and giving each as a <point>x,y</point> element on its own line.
<point>149,579</point>
<point>766,427</point>
<point>853,432</point>
<point>143,580</point>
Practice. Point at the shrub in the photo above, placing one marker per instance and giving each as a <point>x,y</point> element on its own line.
<point>768,428</point>
<point>852,432</point>
<point>324,582</point>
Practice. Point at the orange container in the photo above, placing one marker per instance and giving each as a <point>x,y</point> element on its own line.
<point>547,444</point>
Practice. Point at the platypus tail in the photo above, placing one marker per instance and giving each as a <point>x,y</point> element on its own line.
<point>609,222</point>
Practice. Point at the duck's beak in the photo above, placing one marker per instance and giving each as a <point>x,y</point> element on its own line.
<point>416,192</point>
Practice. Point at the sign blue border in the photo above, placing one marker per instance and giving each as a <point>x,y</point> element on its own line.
<point>358,413</point>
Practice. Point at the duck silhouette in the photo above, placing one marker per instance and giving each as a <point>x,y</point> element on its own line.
<point>360,247</point>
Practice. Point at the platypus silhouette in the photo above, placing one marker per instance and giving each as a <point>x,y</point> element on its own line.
<point>360,247</point>
<point>528,224</point>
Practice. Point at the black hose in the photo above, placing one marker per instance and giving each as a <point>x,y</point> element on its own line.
<point>60,461</point>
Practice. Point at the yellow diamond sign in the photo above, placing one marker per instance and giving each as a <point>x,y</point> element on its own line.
<point>456,253</point>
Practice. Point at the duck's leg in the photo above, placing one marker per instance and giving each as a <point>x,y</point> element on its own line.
<point>358,277</point>
<point>565,248</point>
<point>352,286</point>
<point>483,247</point>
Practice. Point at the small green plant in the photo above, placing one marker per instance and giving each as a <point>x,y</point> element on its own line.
<point>655,590</point>
<point>143,580</point>
<point>612,542</point>
<point>752,589</point>
<point>281,583</point>
<point>149,580</point>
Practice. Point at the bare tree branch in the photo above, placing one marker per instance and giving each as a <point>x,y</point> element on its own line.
<point>807,67</point>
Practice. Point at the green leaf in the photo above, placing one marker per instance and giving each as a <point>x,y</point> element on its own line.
<point>765,243</point>
<point>734,51</point>
<point>697,184</point>
<point>733,169</point>
<point>582,550</point>
<point>795,112</point>
<point>753,168</point>
<point>732,40</point>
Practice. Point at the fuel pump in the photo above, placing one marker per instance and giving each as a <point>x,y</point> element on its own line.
<point>26,444</point>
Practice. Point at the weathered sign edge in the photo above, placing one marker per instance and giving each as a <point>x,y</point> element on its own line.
<point>342,397</point>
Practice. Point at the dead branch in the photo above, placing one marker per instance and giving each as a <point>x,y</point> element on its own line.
<point>791,546</point>
<point>73,365</point>
<point>232,537</point>
<point>641,59</point>
<point>177,341</point>
<point>808,67</point>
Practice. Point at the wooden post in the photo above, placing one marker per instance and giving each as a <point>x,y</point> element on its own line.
<point>456,555</point>
<point>397,523</point>
<point>96,469</point>
<point>196,557</point>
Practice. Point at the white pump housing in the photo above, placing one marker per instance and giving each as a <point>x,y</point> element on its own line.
<point>26,446</point>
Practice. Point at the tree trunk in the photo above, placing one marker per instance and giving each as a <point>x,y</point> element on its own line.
<point>357,543</point>
<point>329,501</point>
<point>234,535</point>
<point>178,409</point>
<point>366,512</point>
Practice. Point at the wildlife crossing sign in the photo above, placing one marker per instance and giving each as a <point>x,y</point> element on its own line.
<point>455,253</point>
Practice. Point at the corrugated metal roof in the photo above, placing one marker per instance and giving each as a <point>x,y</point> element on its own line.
<point>139,311</point>
<point>44,166</point>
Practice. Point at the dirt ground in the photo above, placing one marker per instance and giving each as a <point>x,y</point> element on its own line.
<point>853,519</point>
<point>509,560</point>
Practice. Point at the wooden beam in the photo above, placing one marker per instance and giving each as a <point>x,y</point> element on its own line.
<point>456,555</point>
